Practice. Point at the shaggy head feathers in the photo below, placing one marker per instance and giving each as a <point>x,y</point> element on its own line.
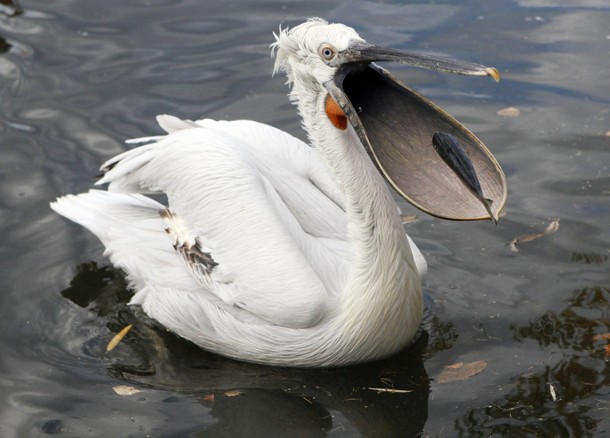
<point>297,50</point>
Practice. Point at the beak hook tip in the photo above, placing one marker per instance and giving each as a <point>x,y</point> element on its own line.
<point>493,72</point>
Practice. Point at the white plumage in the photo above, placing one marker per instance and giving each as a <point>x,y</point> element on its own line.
<point>270,250</point>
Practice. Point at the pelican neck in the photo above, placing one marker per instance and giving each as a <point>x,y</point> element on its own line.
<point>381,304</point>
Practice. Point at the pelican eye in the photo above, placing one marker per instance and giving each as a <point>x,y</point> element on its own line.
<point>327,52</point>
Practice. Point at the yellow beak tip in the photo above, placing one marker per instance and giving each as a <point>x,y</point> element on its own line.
<point>494,73</point>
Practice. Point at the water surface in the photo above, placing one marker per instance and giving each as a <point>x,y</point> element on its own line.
<point>78,77</point>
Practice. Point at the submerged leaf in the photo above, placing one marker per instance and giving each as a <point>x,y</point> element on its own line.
<point>461,371</point>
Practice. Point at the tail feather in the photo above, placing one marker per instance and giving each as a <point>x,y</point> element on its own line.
<point>133,233</point>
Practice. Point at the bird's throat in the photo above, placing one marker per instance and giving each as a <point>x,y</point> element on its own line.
<point>335,113</point>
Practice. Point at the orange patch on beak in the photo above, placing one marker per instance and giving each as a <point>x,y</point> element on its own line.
<point>335,113</point>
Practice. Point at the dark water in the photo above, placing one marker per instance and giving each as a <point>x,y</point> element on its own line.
<point>78,77</point>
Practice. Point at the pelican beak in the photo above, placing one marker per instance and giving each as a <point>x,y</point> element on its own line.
<point>426,155</point>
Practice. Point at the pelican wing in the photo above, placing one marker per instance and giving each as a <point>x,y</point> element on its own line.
<point>253,212</point>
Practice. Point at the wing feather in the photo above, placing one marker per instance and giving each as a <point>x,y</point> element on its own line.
<point>266,207</point>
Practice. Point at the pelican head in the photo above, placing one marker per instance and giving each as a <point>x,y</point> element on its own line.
<point>427,156</point>
<point>308,53</point>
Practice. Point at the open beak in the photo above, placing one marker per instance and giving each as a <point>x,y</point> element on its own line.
<point>433,161</point>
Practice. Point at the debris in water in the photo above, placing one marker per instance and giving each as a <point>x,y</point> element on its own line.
<point>118,338</point>
<point>409,218</point>
<point>125,390</point>
<point>552,228</point>
<point>510,111</point>
<point>391,390</point>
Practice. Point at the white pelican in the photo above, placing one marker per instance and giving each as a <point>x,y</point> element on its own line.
<point>277,252</point>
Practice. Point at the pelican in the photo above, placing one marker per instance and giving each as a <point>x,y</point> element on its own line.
<point>273,251</point>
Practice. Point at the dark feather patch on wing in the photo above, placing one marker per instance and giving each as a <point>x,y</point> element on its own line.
<point>191,248</point>
<point>196,256</point>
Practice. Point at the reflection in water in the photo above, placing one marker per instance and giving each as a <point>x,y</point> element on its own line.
<point>101,289</point>
<point>441,335</point>
<point>254,400</point>
<point>579,373</point>
<point>589,258</point>
<point>573,328</point>
<point>10,8</point>
<point>4,46</point>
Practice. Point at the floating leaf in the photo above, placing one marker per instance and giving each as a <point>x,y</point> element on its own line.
<point>117,338</point>
<point>125,390</point>
<point>460,371</point>
<point>607,349</point>
<point>209,397</point>
<point>233,393</point>
<point>510,111</point>
<point>602,337</point>
<point>552,390</point>
<point>550,229</point>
